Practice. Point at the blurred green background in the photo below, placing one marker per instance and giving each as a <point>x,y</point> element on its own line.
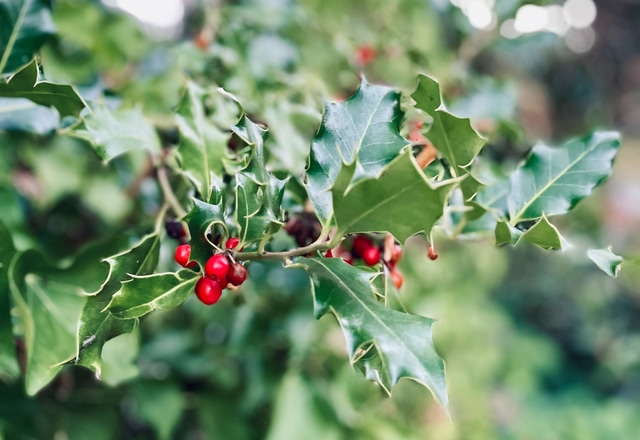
<point>538,345</point>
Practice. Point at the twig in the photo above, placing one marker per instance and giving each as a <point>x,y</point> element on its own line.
<point>168,194</point>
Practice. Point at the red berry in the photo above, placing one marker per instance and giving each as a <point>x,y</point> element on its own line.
<point>431,253</point>
<point>329,253</point>
<point>396,278</point>
<point>182,254</point>
<point>208,290</point>
<point>237,274</point>
<point>365,54</point>
<point>371,256</point>
<point>360,244</point>
<point>396,253</point>
<point>232,243</point>
<point>217,266</point>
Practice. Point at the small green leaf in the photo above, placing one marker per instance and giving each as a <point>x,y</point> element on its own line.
<point>506,233</point>
<point>400,200</point>
<point>203,143</point>
<point>144,294</point>
<point>606,260</point>
<point>202,219</point>
<point>553,180</point>
<point>385,344</point>
<point>115,132</point>
<point>25,84</point>
<point>453,137</point>
<point>161,405</point>
<point>8,361</point>
<point>24,26</point>
<point>97,325</point>
<point>49,311</point>
<point>545,235</point>
<point>367,125</point>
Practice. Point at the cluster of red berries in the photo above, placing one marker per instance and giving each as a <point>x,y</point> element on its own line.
<point>363,247</point>
<point>220,271</point>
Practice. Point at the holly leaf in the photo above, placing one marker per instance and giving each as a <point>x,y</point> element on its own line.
<point>258,207</point>
<point>366,125</point>
<point>544,235</point>
<point>506,233</point>
<point>205,220</point>
<point>115,132</point>
<point>203,143</point>
<point>385,344</point>
<point>453,137</point>
<point>143,294</point>
<point>606,260</point>
<point>49,311</point>
<point>25,84</point>
<point>24,26</point>
<point>8,361</point>
<point>553,180</point>
<point>97,325</point>
<point>401,191</point>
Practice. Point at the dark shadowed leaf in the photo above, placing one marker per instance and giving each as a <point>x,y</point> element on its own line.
<point>385,344</point>
<point>8,360</point>
<point>205,222</point>
<point>24,26</point>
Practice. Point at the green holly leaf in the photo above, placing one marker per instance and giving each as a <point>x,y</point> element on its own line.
<point>453,137</point>
<point>606,260</point>
<point>25,84</point>
<point>115,132</point>
<point>24,26</point>
<point>506,233</point>
<point>97,325</point>
<point>143,294</point>
<point>366,125</point>
<point>385,344</point>
<point>204,220</point>
<point>544,235</point>
<point>8,361</point>
<point>49,311</point>
<point>401,191</point>
<point>203,141</point>
<point>258,207</point>
<point>553,180</point>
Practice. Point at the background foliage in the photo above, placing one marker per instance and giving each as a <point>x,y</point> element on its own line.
<point>536,344</point>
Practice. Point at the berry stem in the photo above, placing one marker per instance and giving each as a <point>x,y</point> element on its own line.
<point>168,194</point>
<point>321,244</point>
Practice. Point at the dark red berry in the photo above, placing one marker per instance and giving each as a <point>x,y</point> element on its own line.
<point>431,253</point>
<point>371,256</point>
<point>217,266</point>
<point>232,243</point>
<point>208,290</point>
<point>329,253</point>
<point>182,254</point>
<point>175,229</point>
<point>396,278</point>
<point>360,244</point>
<point>237,274</point>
